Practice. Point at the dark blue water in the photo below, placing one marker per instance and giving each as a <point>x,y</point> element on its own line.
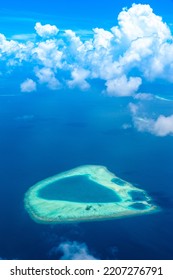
<point>47,133</point>
<point>78,189</point>
<point>139,206</point>
<point>137,195</point>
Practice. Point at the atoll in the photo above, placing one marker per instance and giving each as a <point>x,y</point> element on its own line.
<point>127,200</point>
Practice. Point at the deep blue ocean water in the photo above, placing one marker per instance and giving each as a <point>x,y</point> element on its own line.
<point>48,133</point>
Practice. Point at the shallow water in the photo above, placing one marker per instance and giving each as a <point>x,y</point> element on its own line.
<point>118,181</point>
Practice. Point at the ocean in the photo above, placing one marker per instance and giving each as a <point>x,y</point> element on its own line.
<point>45,133</point>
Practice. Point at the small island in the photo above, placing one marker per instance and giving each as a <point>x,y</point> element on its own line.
<point>85,193</point>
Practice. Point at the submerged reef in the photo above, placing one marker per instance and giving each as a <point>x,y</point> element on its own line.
<point>123,200</point>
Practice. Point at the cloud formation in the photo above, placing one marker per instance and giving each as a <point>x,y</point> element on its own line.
<point>122,86</point>
<point>158,126</point>
<point>162,126</point>
<point>79,77</point>
<point>28,85</point>
<point>46,31</point>
<point>47,76</point>
<point>74,251</point>
<point>139,49</point>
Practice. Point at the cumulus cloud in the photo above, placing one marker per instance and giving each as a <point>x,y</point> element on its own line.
<point>162,126</point>
<point>123,86</point>
<point>159,125</point>
<point>102,38</point>
<point>47,54</point>
<point>138,49</point>
<point>74,251</point>
<point>47,76</point>
<point>79,77</point>
<point>46,30</point>
<point>146,38</point>
<point>140,21</point>
<point>28,85</point>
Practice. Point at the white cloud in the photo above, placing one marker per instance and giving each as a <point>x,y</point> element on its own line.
<point>162,126</point>
<point>47,54</point>
<point>144,40</point>
<point>13,53</point>
<point>8,47</point>
<point>140,21</point>
<point>23,37</point>
<point>102,38</point>
<point>75,251</point>
<point>46,31</point>
<point>75,40</point>
<point>79,76</point>
<point>28,85</point>
<point>47,76</point>
<point>158,126</point>
<point>143,96</point>
<point>122,86</point>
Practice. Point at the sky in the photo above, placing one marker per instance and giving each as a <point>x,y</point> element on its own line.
<point>126,46</point>
<point>20,16</point>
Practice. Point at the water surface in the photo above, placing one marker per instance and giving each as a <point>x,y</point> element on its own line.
<point>78,189</point>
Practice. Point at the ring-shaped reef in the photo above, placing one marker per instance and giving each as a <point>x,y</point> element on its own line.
<point>85,193</point>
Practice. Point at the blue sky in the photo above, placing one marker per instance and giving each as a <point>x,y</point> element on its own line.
<point>73,44</point>
<point>20,16</point>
